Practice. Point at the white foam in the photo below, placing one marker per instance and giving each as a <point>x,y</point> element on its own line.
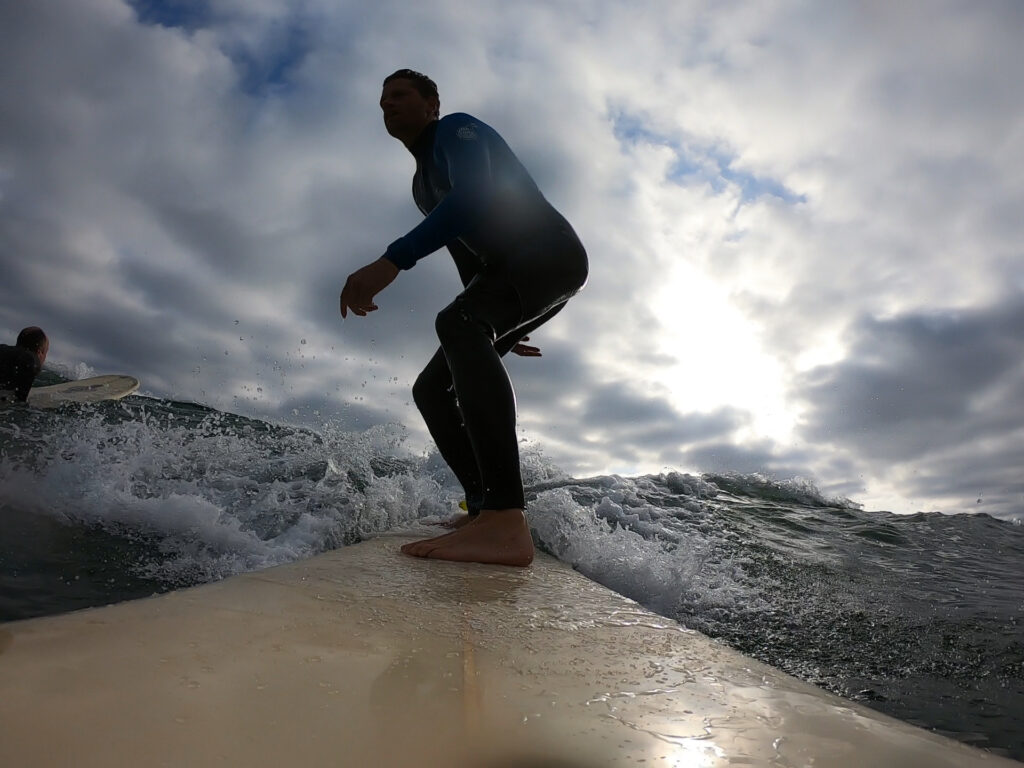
<point>215,498</point>
<point>71,371</point>
<point>624,543</point>
<point>221,495</point>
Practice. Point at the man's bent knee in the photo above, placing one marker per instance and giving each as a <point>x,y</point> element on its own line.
<point>429,388</point>
<point>457,321</point>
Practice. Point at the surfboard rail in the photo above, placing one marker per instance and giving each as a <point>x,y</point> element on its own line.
<point>91,390</point>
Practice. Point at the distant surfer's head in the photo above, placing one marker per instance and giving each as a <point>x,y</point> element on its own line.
<point>34,340</point>
<point>410,103</point>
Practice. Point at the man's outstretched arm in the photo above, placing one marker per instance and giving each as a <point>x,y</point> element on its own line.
<point>365,283</point>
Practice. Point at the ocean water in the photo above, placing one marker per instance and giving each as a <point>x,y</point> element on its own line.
<point>921,616</point>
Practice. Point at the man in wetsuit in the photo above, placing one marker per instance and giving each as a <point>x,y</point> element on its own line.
<point>519,261</point>
<point>20,364</point>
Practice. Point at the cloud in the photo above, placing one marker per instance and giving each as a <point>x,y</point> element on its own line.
<point>776,198</point>
<point>642,427</point>
<point>942,389</point>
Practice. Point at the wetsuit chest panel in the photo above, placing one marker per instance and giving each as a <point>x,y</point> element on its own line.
<point>477,198</point>
<point>429,185</point>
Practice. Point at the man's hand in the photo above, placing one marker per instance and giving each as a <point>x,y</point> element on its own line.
<point>363,284</point>
<point>525,350</point>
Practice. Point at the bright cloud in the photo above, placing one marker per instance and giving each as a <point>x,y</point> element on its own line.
<point>796,214</point>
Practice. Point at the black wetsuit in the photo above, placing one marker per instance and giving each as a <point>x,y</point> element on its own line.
<point>18,369</point>
<point>519,260</point>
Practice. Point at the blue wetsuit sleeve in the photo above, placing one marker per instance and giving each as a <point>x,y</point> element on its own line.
<point>461,151</point>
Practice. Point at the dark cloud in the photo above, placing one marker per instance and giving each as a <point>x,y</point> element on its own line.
<point>563,372</point>
<point>942,392</point>
<point>214,235</point>
<point>983,477</point>
<point>918,383</point>
<point>634,424</point>
<point>617,404</point>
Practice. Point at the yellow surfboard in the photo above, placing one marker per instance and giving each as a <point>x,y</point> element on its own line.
<point>365,657</point>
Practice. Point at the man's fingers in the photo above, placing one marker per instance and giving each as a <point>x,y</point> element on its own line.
<point>358,308</point>
<point>349,299</point>
<point>525,350</point>
<point>363,284</point>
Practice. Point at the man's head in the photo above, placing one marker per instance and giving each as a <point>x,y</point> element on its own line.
<point>34,340</point>
<point>410,102</point>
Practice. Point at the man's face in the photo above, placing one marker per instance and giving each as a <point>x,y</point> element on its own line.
<point>406,112</point>
<point>42,351</point>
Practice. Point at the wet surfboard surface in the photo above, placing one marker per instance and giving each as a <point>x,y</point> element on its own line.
<point>363,656</point>
<point>91,390</point>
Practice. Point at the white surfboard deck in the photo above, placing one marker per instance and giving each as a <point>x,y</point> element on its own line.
<point>92,390</point>
<point>366,657</point>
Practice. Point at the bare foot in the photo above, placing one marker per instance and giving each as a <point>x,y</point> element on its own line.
<point>496,536</point>
<point>458,521</point>
<point>431,540</point>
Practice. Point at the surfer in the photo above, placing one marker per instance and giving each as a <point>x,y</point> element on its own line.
<point>20,364</point>
<point>519,261</point>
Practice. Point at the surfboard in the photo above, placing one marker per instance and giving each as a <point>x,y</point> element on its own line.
<point>93,390</point>
<point>363,656</point>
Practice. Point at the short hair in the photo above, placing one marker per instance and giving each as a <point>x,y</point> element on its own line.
<point>427,88</point>
<point>32,338</point>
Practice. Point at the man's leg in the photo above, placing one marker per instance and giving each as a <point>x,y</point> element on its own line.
<point>435,397</point>
<point>482,324</point>
<point>467,329</point>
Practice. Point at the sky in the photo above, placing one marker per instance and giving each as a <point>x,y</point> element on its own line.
<point>803,222</point>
